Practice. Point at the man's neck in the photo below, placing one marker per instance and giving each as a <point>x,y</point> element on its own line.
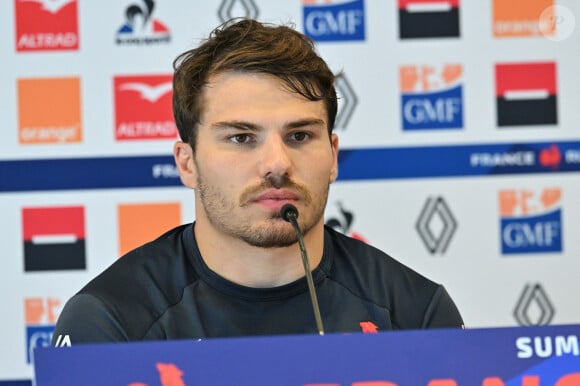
<point>250,266</point>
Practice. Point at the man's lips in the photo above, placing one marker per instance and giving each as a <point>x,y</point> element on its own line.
<point>275,199</point>
<point>276,195</point>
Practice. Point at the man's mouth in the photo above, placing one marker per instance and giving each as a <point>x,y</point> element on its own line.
<point>275,198</point>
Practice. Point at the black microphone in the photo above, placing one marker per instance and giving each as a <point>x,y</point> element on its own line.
<point>290,213</point>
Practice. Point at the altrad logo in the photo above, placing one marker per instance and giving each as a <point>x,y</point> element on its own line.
<point>143,107</point>
<point>46,25</point>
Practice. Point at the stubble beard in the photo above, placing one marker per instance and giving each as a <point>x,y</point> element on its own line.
<point>273,232</point>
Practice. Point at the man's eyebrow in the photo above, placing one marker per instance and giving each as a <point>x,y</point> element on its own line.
<point>243,125</point>
<point>236,125</point>
<point>305,122</point>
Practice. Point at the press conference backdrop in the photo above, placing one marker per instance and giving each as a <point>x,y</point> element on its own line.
<point>458,121</point>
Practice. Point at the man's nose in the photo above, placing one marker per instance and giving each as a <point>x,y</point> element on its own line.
<point>275,157</point>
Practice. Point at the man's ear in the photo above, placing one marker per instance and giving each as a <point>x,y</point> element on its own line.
<point>183,154</point>
<point>334,170</point>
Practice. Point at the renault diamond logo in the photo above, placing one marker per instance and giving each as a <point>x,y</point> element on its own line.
<point>347,102</point>
<point>436,225</point>
<point>534,308</point>
<point>237,8</point>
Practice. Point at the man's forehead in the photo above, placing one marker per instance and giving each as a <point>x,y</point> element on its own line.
<point>238,93</point>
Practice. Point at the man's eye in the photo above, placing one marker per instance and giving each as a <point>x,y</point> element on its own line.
<point>240,138</point>
<point>299,136</point>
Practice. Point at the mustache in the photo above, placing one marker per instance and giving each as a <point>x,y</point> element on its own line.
<point>274,182</point>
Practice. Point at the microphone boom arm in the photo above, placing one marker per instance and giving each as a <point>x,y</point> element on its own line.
<point>290,214</point>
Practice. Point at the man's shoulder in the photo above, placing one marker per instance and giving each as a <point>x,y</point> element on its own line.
<point>162,261</point>
<point>360,253</point>
<point>378,278</point>
<point>125,300</point>
<point>411,299</point>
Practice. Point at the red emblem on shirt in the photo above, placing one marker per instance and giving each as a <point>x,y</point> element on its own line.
<point>369,327</point>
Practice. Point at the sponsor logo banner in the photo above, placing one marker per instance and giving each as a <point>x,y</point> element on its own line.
<point>341,219</point>
<point>428,18</point>
<point>46,25</point>
<point>534,307</point>
<point>431,97</point>
<point>228,10</point>
<point>49,111</point>
<point>436,225</point>
<point>40,316</point>
<point>54,238</point>
<point>531,221</point>
<point>354,164</point>
<point>141,26</point>
<point>526,94</point>
<point>521,18</point>
<point>141,223</point>
<point>347,102</point>
<point>334,20</point>
<point>143,107</point>
<point>544,356</point>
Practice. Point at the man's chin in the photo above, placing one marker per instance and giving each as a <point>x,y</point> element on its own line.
<point>272,237</point>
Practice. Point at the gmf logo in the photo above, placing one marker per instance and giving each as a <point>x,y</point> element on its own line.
<point>531,221</point>
<point>40,315</point>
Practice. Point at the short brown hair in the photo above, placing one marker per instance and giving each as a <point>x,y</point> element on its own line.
<point>247,45</point>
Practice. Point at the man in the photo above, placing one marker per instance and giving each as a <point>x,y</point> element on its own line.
<point>255,108</point>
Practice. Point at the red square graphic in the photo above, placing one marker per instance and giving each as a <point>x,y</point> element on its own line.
<point>54,238</point>
<point>526,94</point>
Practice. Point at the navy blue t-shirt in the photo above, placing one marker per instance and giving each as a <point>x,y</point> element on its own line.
<point>164,290</point>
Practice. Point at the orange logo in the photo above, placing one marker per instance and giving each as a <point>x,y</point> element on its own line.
<point>523,202</point>
<point>520,18</point>
<point>141,223</point>
<point>41,310</point>
<point>428,78</point>
<point>49,110</point>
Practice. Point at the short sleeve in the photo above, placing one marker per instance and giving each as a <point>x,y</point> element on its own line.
<point>442,312</point>
<point>85,319</point>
